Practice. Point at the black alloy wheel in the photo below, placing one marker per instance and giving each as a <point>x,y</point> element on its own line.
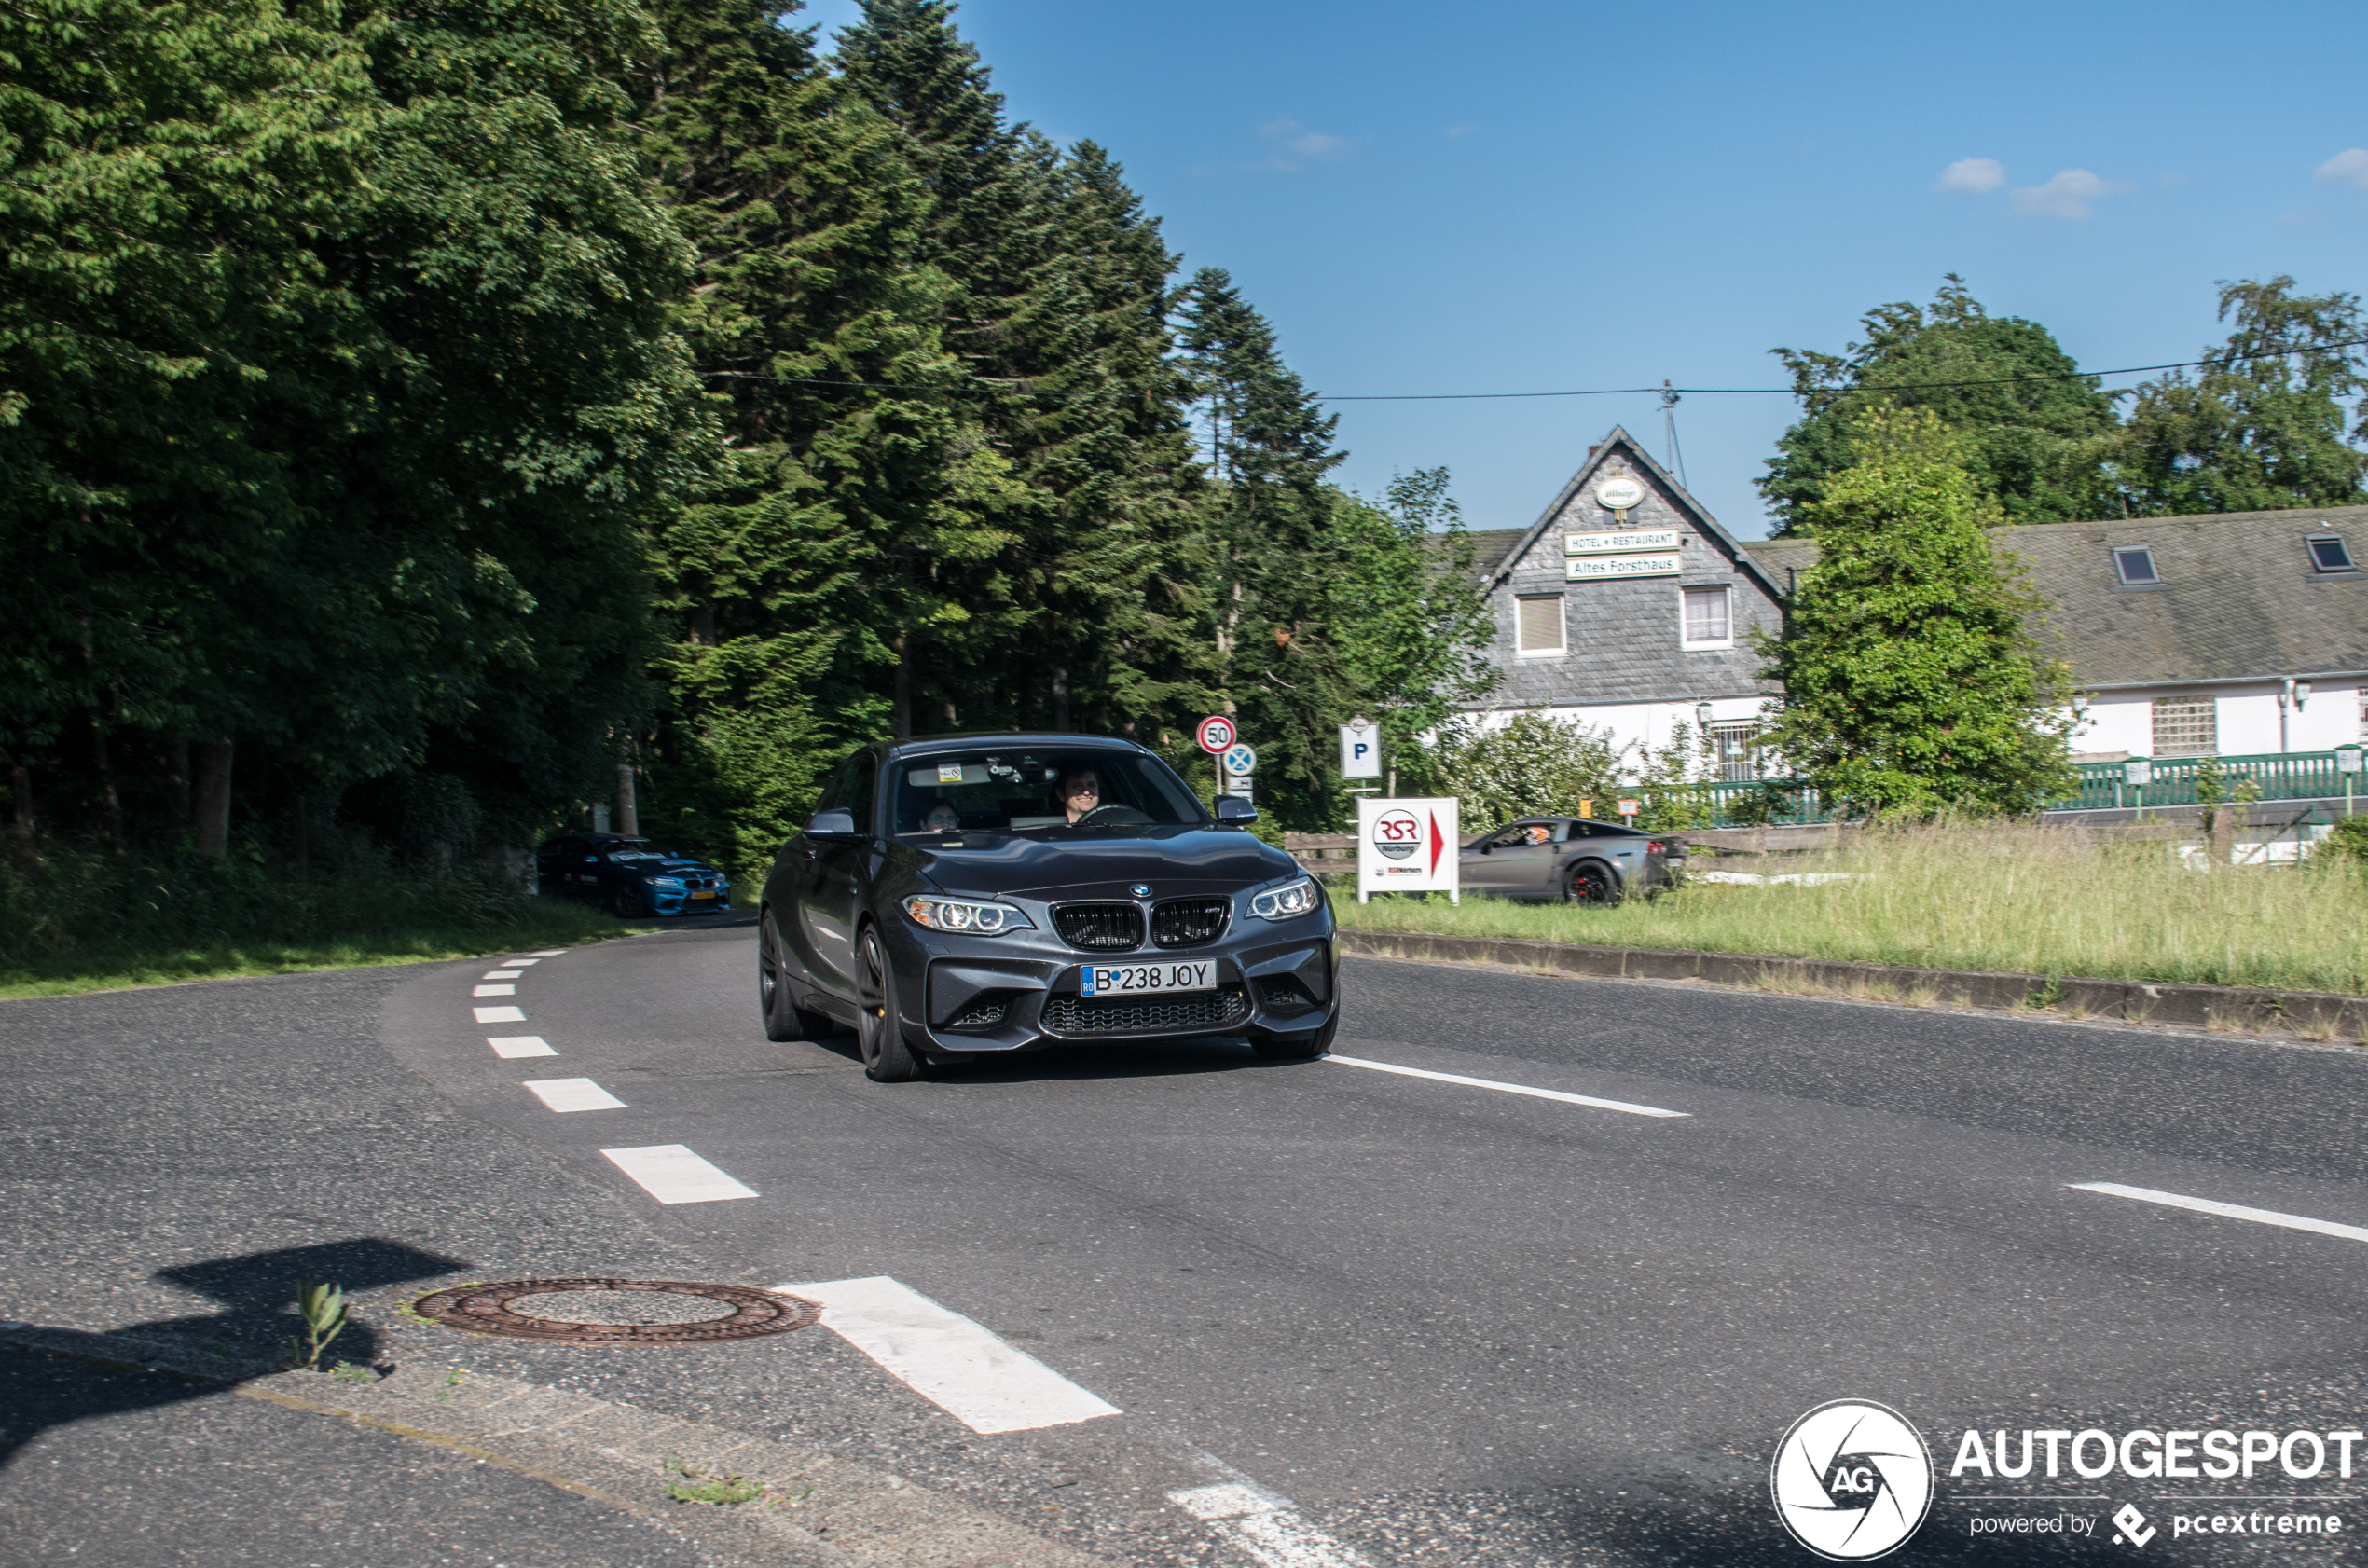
<point>630,903</point>
<point>1304,1047</point>
<point>1591,883</point>
<point>784,1020</point>
<point>887,1059</point>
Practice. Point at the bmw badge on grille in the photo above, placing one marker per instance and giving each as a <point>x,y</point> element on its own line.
<point>1140,891</point>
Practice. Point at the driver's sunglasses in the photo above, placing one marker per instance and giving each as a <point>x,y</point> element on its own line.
<point>1083,791</point>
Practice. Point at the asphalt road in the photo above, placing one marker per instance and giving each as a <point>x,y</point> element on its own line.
<point>1450,1323</point>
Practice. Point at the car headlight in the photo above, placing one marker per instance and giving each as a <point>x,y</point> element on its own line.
<point>666,882</point>
<point>966,915</point>
<point>1289,901</point>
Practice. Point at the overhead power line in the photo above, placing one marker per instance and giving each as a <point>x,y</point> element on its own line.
<point>1012,389</point>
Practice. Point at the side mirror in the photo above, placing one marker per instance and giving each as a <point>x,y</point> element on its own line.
<point>1233,808</point>
<point>831,824</point>
<point>1486,847</point>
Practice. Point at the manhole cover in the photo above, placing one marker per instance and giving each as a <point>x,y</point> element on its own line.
<point>614,1311</point>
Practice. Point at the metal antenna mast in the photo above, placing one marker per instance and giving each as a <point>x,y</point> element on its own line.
<point>1668,424</point>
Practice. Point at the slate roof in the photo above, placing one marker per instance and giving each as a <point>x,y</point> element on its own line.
<point>2239,596</point>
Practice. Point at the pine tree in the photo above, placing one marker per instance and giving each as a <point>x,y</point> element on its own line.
<point>1910,680</point>
<point>2260,425</point>
<point>1276,551</point>
<point>2032,444</point>
<point>847,521</point>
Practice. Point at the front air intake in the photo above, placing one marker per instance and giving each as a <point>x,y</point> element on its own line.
<point>1099,928</point>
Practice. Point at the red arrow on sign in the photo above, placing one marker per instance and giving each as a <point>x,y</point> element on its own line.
<point>1437,842</point>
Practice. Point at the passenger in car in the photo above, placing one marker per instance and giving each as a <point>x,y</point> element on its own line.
<point>942,819</point>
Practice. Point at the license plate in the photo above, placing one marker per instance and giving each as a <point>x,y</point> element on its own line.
<point>706,895</point>
<point>1121,979</point>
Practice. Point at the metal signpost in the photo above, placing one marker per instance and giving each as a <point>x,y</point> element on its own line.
<point>1628,810</point>
<point>1408,846</point>
<point>2138,772</point>
<point>2347,764</point>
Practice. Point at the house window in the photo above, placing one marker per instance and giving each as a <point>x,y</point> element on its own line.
<point>2136,565</point>
<point>2185,728</point>
<point>1733,752</point>
<point>1707,624</point>
<point>1539,624</point>
<point>2328,553</point>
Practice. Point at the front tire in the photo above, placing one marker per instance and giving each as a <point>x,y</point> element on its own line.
<point>1300,1047</point>
<point>887,1059</point>
<point>784,1020</point>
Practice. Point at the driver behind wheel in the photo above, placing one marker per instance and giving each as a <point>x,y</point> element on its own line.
<point>1080,792</point>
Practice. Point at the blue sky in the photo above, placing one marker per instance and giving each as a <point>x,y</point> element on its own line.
<point>1532,196</point>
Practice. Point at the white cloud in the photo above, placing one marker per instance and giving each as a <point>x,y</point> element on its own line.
<point>2348,166</point>
<point>1466,128</point>
<point>2068,194</point>
<point>1308,144</point>
<point>1971,176</point>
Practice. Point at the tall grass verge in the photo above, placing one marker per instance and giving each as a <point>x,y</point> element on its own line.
<point>1980,896</point>
<point>86,921</point>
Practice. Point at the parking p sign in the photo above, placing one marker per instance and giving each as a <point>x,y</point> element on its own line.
<point>1408,846</point>
<point>1361,750</point>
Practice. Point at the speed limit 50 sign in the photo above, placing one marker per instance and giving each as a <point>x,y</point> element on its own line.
<point>1408,846</point>
<point>1215,733</point>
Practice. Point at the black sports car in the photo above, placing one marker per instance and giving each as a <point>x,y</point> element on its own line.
<point>961,897</point>
<point>1550,859</point>
<point>630,877</point>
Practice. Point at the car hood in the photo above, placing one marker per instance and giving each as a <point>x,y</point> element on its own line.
<point>1168,860</point>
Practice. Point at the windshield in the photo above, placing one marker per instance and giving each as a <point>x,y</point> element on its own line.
<point>641,852</point>
<point>1023,791</point>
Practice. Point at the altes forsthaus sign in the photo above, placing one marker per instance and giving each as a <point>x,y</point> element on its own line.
<point>1630,553</point>
<point>1582,569</point>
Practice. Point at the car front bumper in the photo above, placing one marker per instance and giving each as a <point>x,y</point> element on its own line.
<point>962,995</point>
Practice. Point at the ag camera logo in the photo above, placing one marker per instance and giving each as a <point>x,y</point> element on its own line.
<point>1851,1480</point>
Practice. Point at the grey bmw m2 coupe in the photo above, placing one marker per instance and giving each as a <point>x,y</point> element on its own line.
<point>967,897</point>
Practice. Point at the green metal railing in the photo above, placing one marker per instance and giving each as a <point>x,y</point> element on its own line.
<point>2275,776</point>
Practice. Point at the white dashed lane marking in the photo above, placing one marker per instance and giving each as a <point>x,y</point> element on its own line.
<point>546,952</point>
<point>1505,1088</point>
<point>502,974</point>
<point>495,991</point>
<point>2226,1211</point>
<point>964,1370</point>
<point>500,1014</point>
<point>671,1173</point>
<point>574,1094</point>
<point>520,963</point>
<point>520,1045</point>
<point>1265,1525</point>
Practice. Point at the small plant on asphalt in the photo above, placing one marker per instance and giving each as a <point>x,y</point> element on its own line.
<point>348,1372</point>
<point>323,1309</point>
<point>453,1380</point>
<point>725,1490</point>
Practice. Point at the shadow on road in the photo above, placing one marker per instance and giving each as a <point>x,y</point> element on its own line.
<point>249,1337</point>
<point>1161,1058</point>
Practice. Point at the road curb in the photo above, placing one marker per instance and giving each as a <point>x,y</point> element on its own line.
<point>2325,1015</point>
<point>818,1510</point>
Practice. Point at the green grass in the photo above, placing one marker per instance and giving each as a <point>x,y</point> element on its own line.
<point>85,922</point>
<point>1977,896</point>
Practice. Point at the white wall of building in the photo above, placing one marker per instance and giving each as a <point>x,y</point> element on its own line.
<point>1635,724</point>
<point>2246,719</point>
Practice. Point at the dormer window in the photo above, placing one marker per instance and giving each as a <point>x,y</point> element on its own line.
<point>2135,563</point>
<point>2329,554</point>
